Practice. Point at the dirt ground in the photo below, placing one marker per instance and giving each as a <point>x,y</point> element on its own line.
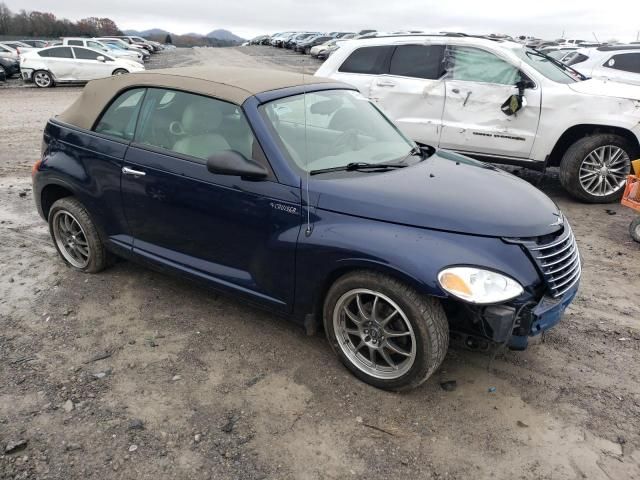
<point>131,374</point>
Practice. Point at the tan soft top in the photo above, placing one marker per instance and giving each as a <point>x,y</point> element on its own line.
<point>232,84</point>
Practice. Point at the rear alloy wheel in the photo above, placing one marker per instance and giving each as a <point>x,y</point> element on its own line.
<point>120,71</point>
<point>387,334</point>
<point>76,237</point>
<point>42,79</point>
<point>595,168</point>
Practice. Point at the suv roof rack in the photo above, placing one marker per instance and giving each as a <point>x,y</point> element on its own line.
<point>440,34</point>
<point>613,48</point>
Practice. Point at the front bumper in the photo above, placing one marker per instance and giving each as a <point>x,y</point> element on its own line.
<point>545,315</point>
<point>511,323</point>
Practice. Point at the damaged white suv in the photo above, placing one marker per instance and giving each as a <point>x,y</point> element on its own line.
<point>501,102</point>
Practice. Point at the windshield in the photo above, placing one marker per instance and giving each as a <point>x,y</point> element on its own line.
<point>546,66</point>
<point>342,127</point>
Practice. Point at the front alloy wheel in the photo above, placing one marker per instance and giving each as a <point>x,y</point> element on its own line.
<point>604,170</point>
<point>595,167</point>
<point>374,333</point>
<point>385,332</point>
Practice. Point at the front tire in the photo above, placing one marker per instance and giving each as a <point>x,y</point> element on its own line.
<point>120,71</point>
<point>43,79</point>
<point>594,169</point>
<point>385,332</point>
<point>76,237</point>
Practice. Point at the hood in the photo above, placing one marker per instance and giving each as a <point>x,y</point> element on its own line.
<point>607,88</point>
<point>446,191</point>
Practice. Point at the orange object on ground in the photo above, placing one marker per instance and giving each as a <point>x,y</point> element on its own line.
<point>636,167</point>
<point>631,195</point>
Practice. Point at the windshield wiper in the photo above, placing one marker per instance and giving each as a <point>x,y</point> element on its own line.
<point>350,167</point>
<point>558,63</point>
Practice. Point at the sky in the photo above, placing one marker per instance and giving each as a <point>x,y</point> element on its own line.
<point>549,19</point>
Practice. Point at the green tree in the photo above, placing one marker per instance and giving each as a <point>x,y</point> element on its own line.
<point>168,39</point>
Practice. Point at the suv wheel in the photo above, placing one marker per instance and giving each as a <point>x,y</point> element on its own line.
<point>386,333</point>
<point>120,71</point>
<point>594,169</point>
<point>42,79</point>
<point>76,237</point>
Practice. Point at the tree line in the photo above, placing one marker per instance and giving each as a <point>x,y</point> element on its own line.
<point>46,25</point>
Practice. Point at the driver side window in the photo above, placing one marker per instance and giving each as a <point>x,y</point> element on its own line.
<point>193,125</point>
<point>475,65</point>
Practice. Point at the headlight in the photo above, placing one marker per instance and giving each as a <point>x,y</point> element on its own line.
<point>476,285</point>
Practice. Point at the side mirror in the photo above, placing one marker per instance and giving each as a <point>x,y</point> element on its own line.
<point>513,105</point>
<point>231,162</point>
<point>100,58</point>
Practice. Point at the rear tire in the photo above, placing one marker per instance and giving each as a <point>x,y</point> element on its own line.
<point>75,236</point>
<point>415,338</point>
<point>634,229</point>
<point>581,167</point>
<point>43,79</point>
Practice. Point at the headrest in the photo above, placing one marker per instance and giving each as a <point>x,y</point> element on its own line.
<point>201,117</point>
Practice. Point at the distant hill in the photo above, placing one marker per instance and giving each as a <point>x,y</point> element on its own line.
<point>146,33</point>
<point>222,34</point>
<point>215,38</point>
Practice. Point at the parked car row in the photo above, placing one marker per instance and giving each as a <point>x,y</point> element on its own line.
<point>74,59</point>
<point>316,44</point>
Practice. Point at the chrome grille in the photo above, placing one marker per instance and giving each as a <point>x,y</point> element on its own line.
<point>558,261</point>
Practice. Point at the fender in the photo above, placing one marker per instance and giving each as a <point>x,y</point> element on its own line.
<point>340,243</point>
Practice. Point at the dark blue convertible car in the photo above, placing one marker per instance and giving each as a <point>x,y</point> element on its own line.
<point>300,196</point>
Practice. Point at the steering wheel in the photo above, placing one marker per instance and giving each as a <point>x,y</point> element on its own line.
<point>348,140</point>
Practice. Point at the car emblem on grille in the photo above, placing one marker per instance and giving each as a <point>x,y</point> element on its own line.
<point>559,221</point>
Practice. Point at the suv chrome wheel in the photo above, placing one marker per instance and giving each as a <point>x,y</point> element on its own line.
<point>374,333</point>
<point>71,239</point>
<point>604,170</point>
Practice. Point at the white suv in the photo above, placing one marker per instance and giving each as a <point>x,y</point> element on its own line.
<point>501,102</point>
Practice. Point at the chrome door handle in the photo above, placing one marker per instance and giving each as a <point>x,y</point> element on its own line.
<point>131,171</point>
<point>455,90</point>
<point>383,83</point>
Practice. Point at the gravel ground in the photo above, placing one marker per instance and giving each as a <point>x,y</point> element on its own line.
<point>134,374</point>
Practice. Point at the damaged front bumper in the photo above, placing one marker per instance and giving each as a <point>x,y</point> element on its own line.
<point>510,323</point>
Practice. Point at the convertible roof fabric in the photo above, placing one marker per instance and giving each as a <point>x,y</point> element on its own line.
<point>231,84</point>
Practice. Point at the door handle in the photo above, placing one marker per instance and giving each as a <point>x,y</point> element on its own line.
<point>131,171</point>
<point>385,83</point>
<point>455,90</point>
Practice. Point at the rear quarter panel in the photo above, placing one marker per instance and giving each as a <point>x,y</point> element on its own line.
<point>89,166</point>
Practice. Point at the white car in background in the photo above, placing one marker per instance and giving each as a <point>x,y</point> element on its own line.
<point>615,62</point>
<point>121,44</point>
<point>501,102</point>
<point>64,64</point>
<point>101,47</point>
<point>8,52</point>
<point>19,47</point>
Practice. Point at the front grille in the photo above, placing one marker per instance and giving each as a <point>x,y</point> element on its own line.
<point>558,260</point>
